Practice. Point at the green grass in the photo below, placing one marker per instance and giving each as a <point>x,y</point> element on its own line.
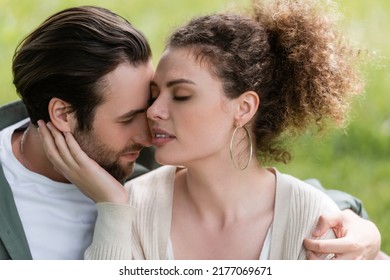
<point>356,160</point>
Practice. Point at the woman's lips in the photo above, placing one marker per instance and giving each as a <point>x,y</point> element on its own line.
<point>161,137</point>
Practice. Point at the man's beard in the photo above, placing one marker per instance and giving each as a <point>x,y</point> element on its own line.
<point>104,155</point>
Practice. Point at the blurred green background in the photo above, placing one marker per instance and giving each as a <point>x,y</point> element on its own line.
<point>356,160</point>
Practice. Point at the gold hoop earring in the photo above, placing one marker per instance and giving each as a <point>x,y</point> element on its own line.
<point>250,148</point>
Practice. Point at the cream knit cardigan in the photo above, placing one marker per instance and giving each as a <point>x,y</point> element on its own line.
<point>141,229</point>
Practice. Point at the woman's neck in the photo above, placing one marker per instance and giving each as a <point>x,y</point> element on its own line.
<point>225,194</point>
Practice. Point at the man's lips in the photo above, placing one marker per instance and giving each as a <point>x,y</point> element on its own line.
<point>131,156</point>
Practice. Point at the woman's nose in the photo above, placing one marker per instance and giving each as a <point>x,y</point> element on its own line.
<point>158,110</point>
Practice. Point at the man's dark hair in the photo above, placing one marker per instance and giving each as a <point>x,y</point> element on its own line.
<point>67,56</point>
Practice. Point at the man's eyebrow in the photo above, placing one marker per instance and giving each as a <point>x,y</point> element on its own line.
<point>131,114</point>
<point>175,82</point>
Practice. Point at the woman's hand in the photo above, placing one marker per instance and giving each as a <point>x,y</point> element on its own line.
<point>357,238</point>
<point>70,160</point>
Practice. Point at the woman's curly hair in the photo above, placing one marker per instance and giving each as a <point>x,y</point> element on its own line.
<point>291,53</point>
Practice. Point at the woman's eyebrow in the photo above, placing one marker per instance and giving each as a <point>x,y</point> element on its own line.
<point>174,82</point>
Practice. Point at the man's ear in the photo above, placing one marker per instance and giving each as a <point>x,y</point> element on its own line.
<point>61,115</point>
<point>248,103</point>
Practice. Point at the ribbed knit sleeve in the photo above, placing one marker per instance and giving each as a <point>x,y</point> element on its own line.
<point>306,207</point>
<point>139,230</point>
<point>112,236</point>
<point>297,209</point>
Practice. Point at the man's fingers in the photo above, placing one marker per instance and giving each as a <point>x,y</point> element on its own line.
<point>328,246</point>
<point>326,222</point>
<point>312,256</point>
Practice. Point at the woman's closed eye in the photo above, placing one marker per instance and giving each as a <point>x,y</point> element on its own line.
<point>181,93</point>
<point>181,98</point>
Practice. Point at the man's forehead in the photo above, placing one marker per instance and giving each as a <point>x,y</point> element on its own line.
<point>126,89</point>
<point>114,108</point>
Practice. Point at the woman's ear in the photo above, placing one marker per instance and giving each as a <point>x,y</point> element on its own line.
<point>248,103</point>
<point>61,115</point>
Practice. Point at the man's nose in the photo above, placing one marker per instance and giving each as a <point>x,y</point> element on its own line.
<point>144,136</point>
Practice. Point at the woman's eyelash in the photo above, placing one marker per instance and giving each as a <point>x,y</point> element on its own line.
<point>176,98</point>
<point>181,98</point>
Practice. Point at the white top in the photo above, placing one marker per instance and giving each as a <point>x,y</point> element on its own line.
<point>57,218</point>
<point>141,229</point>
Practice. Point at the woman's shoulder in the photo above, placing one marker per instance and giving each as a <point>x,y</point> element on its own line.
<point>301,193</point>
<point>298,206</point>
<point>292,183</point>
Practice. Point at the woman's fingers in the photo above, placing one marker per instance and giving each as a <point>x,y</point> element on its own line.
<point>49,144</point>
<point>57,151</point>
<point>69,159</point>
<point>62,146</point>
<point>77,154</point>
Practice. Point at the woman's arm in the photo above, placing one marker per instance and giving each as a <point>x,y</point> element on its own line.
<point>112,234</point>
